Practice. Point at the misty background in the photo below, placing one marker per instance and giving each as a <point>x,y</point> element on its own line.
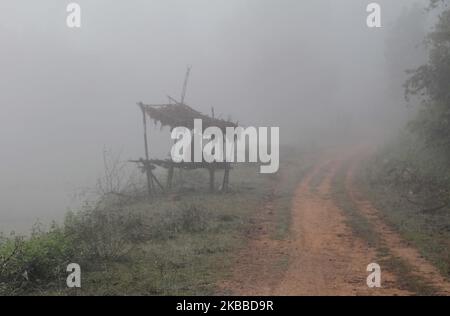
<point>311,67</point>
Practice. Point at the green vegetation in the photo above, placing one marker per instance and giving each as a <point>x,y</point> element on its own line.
<point>28,263</point>
<point>411,204</point>
<point>179,243</point>
<point>409,178</point>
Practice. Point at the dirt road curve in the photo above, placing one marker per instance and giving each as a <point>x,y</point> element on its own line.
<point>322,255</point>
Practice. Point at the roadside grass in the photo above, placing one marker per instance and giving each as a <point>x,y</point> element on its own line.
<point>187,262</point>
<point>429,232</point>
<point>360,225</point>
<point>364,229</point>
<point>295,168</point>
<point>179,243</point>
<point>318,178</point>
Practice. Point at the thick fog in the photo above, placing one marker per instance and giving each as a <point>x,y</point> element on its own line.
<point>313,68</point>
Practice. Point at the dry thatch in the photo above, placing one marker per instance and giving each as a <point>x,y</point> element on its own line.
<point>174,115</point>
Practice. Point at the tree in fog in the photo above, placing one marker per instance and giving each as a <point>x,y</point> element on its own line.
<point>404,47</point>
<point>430,82</point>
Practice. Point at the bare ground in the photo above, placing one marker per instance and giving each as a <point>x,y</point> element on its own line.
<point>321,256</point>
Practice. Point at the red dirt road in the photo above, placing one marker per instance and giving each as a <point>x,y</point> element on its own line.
<point>322,256</point>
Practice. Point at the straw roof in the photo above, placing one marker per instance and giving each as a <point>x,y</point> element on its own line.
<point>174,115</point>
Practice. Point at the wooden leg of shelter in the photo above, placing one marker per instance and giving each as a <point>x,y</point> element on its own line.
<point>149,181</point>
<point>147,166</point>
<point>157,181</point>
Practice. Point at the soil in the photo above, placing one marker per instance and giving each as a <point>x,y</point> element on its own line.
<point>321,255</point>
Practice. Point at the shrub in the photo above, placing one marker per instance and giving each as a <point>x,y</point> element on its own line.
<point>35,263</point>
<point>102,233</point>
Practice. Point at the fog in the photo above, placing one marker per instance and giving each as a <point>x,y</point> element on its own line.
<point>313,68</point>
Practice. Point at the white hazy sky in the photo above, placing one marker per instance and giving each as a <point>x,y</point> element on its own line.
<point>65,94</point>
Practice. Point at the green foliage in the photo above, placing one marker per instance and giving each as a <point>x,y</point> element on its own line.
<point>436,3</point>
<point>34,263</point>
<point>432,125</point>
<point>178,243</point>
<point>410,179</point>
<point>430,82</point>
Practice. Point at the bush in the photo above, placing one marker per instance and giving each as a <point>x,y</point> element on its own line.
<point>34,264</point>
<point>94,235</point>
<point>103,234</point>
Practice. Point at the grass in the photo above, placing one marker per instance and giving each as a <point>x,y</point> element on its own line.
<point>180,243</point>
<point>295,170</point>
<point>428,232</point>
<point>318,178</point>
<point>187,263</point>
<point>186,245</point>
<point>364,229</point>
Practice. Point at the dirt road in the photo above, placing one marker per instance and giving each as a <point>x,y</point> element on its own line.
<point>322,255</point>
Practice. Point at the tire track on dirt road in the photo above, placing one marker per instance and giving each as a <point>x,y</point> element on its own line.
<point>400,248</point>
<point>326,258</point>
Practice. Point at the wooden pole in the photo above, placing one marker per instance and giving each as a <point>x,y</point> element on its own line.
<point>186,78</point>
<point>157,181</point>
<point>147,166</point>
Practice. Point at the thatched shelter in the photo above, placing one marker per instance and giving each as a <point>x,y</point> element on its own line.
<point>174,115</point>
